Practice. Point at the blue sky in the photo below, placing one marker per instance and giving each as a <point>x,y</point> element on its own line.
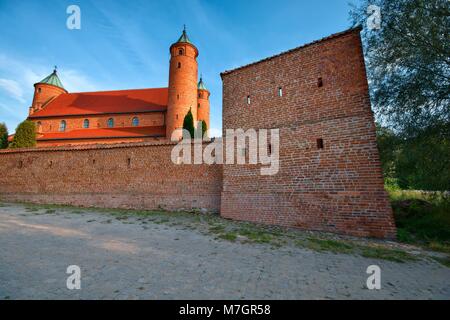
<point>125,44</point>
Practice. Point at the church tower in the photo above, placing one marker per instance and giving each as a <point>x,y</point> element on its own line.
<point>183,75</point>
<point>45,90</point>
<point>203,103</point>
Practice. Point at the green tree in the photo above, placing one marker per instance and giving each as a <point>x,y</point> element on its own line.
<point>408,68</point>
<point>3,136</point>
<point>188,124</point>
<point>204,128</point>
<point>389,145</point>
<point>25,135</point>
<point>408,61</point>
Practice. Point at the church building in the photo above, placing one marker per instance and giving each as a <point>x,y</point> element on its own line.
<point>132,115</point>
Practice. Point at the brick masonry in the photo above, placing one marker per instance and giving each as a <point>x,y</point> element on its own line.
<point>338,188</point>
<point>140,176</point>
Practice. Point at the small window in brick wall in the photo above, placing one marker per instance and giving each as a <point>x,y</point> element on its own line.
<point>129,162</point>
<point>269,149</point>
<point>179,65</point>
<point>320,82</point>
<point>320,143</point>
<point>248,100</point>
<point>280,91</point>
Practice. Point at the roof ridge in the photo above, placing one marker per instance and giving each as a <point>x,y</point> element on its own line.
<point>332,36</point>
<point>101,91</point>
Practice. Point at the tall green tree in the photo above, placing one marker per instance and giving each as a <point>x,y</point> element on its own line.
<point>188,124</point>
<point>408,67</point>
<point>408,61</point>
<point>204,128</point>
<point>25,135</point>
<point>3,136</point>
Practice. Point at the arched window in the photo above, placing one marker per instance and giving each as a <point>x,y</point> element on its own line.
<point>110,122</point>
<point>39,90</point>
<point>135,122</point>
<point>62,125</point>
<point>180,52</point>
<point>86,123</point>
<point>179,65</point>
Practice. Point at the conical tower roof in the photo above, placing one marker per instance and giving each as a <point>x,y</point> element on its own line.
<point>184,37</point>
<point>201,84</point>
<point>53,80</point>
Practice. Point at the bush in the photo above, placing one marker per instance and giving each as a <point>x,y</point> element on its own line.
<point>188,124</point>
<point>3,136</point>
<point>204,128</point>
<point>25,135</point>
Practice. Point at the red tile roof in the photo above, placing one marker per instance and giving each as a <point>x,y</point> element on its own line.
<point>101,102</point>
<point>121,132</point>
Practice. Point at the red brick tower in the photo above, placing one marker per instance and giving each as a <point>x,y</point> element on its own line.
<point>182,84</point>
<point>45,90</point>
<point>203,103</point>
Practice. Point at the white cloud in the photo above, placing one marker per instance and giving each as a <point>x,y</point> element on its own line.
<point>13,89</point>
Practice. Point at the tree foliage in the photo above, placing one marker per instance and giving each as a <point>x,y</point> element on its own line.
<point>204,128</point>
<point>25,135</point>
<point>408,61</point>
<point>188,124</point>
<point>3,136</point>
<point>408,68</point>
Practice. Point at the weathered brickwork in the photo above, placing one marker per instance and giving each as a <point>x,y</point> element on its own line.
<point>324,95</point>
<point>140,176</point>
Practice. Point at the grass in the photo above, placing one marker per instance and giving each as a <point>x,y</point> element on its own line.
<point>422,219</point>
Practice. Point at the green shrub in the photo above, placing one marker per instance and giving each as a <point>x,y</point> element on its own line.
<point>25,135</point>
<point>188,123</point>
<point>3,136</point>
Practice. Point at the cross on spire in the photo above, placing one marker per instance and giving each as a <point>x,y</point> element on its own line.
<point>55,69</point>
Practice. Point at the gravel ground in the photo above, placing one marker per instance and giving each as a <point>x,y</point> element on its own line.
<point>135,258</point>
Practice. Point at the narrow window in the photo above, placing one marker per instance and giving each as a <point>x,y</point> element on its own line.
<point>178,97</point>
<point>319,82</point>
<point>62,126</point>
<point>179,65</point>
<point>129,162</point>
<point>180,52</point>
<point>280,92</point>
<point>269,149</point>
<point>198,106</point>
<point>86,123</point>
<point>248,100</point>
<point>135,122</point>
<point>176,117</point>
<point>110,122</point>
<point>39,90</point>
<point>320,143</point>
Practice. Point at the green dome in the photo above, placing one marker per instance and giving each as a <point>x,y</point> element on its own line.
<point>184,37</point>
<point>53,80</point>
<point>201,85</point>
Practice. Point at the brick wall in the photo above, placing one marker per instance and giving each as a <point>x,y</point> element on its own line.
<point>338,188</point>
<point>117,176</point>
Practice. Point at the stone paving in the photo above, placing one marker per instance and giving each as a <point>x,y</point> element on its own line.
<point>146,260</point>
